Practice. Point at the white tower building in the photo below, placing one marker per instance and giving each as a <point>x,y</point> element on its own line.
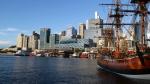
<point>96,15</point>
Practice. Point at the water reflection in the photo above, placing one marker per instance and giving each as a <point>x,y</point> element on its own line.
<point>111,78</point>
<point>42,70</point>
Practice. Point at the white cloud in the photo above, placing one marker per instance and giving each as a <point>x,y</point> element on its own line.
<point>11,29</point>
<point>2,42</point>
<point>2,33</point>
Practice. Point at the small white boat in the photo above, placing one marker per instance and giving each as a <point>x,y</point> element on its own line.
<point>74,55</point>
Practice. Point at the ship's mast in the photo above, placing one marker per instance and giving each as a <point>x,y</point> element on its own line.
<point>143,12</point>
<point>118,14</point>
<point>117,19</point>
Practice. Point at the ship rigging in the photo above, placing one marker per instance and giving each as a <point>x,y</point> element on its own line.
<point>122,59</point>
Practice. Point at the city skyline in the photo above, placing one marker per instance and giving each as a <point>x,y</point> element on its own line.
<point>25,16</point>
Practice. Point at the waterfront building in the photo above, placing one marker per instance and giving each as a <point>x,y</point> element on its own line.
<point>71,32</point>
<point>33,41</point>
<point>95,23</point>
<point>93,34</point>
<point>74,43</point>
<point>107,36</point>
<point>148,34</point>
<point>44,38</point>
<point>25,42</point>
<point>39,44</point>
<point>137,32</point>
<point>94,30</point>
<point>63,33</point>
<point>20,41</point>
<point>54,39</point>
<point>82,28</point>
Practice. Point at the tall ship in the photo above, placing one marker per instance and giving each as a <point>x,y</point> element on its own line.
<point>128,43</point>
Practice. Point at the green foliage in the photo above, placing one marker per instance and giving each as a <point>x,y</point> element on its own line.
<point>13,46</point>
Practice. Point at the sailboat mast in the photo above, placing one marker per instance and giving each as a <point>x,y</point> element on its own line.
<point>142,30</point>
<point>143,10</point>
<point>118,21</point>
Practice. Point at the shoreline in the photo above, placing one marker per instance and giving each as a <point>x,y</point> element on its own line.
<point>6,54</point>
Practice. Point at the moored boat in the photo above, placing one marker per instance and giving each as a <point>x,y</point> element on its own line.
<point>121,60</point>
<point>21,53</point>
<point>84,55</point>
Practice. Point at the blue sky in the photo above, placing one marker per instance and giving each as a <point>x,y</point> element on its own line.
<point>24,16</point>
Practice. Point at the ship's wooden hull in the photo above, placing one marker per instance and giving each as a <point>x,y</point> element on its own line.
<point>127,66</point>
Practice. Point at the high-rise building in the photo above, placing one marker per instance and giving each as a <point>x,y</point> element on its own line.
<point>71,32</point>
<point>25,42</point>
<point>20,41</point>
<point>96,15</point>
<point>87,25</point>
<point>148,31</point>
<point>95,23</point>
<point>82,28</point>
<point>108,33</point>
<point>93,34</point>
<point>148,34</point>
<point>33,41</point>
<point>63,33</point>
<point>94,29</point>
<point>137,32</point>
<point>54,39</point>
<point>44,38</point>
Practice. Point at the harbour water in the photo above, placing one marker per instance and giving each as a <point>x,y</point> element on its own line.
<point>50,70</point>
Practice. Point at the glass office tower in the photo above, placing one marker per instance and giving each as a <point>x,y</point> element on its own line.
<point>44,38</point>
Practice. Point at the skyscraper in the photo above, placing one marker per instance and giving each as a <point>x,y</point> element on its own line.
<point>93,34</point>
<point>94,29</point>
<point>148,31</point>
<point>63,33</point>
<point>82,27</point>
<point>137,33</point>
<point>33,41</point>
<point>95,23</point>
<point>44,38</point>
<point>148,35</point>
<point>54,39</point>
<point>71,32</point>
<point>87,24</point>
<point>25,42</point>
<point>20,41</point>
<point>96,15</point>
